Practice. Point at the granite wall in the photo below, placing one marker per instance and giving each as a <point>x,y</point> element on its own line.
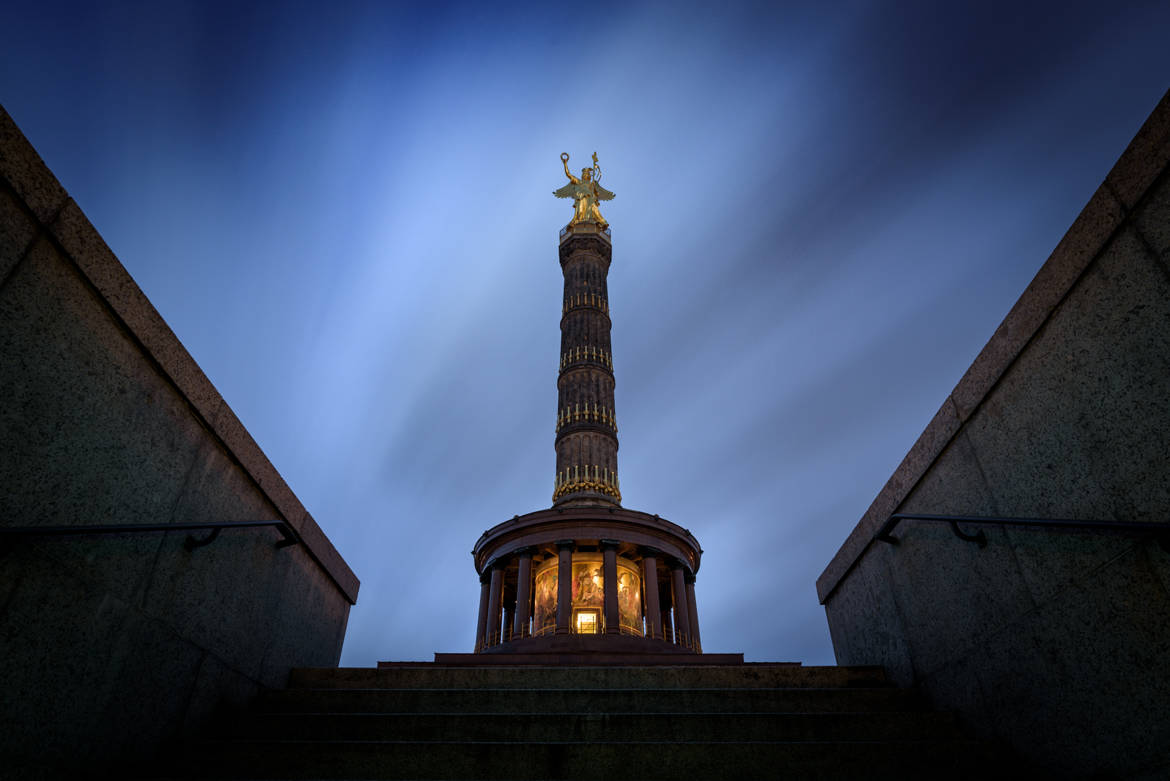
<point>114,646</point>
<point>1057,642</point>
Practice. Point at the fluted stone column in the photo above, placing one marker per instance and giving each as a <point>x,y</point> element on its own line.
<point>682,625</point>
<point>564,585</point>
<point>509,613</point>
<point>481,628</point>
<point>610,585</point>
<point>494,602</point>
<point>693,613</point>
<point>650,592</point>
<point>523,594</point>
<point>586,442</point>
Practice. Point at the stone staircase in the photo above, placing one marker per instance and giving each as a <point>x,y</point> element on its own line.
<point>745,721</point>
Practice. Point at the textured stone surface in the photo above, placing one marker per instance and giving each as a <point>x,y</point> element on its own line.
<point>116,644</point>
<point>224,597</point>
<point>1050,561</point>
<point>938,493</point>
<point>121,294</point>
<point>157,670</point>
<point>237,440</point>
<point>1077,428</point>
<point>24,171</point>
<point>951,593</point>
<point>1151,223</point>
<point>216,489</point>
<point>1145,157</point>
<point>1067,671</point>
<point>92,433</point>
<point>17,230</point>
<point>1045,637</point>
<point>956,687</point>
<point>323,551</point>
<point>57,638</point>
<point>922,454</point>
<point>291,639</point>
<point>1072,255</point>
<point>217,692</point>
<point>864,620</point>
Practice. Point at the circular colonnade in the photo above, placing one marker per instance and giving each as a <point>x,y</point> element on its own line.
<point>603,571</point>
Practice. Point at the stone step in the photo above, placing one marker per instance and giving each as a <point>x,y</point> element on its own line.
<point>744,761</point>
<point>584,701</point>
<point>594,727</point>
<point>425,675</point>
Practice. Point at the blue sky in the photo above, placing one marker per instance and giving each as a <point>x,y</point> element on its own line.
<point>344,212</point>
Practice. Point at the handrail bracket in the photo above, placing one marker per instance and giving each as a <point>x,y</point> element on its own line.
<point>192,542</point>
<point>979,538</point>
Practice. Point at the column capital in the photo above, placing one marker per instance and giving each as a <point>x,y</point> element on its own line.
<point>689,577</point>
<point>499,562</point>
<point>485,577</point>
<point>565,544</point>
<point>674,563</point>
<point>646,550</point>
<point>526,550</point>
<point>610,543</point>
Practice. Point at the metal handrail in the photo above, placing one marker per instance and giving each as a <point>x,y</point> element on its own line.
<point>885,534</point>
<point>289,535</point>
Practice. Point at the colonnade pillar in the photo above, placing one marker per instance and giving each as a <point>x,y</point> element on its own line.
<point>667,623</point>
<point>682,626</point>
<point>610,585</point>
<point>650,592</point>
<point>523,594</point>
<point>564,585</point>
<point>495,595</point>
<point>693,613</point>
<point>509,614</point>
<point>505,612</point>
<point>481,627</point>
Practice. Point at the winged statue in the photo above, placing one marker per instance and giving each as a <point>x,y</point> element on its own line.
<point>585,192</point>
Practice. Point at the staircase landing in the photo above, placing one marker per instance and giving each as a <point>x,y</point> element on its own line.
<point>418,720</point>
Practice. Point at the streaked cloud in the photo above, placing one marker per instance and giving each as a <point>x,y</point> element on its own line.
<point>345,214</point>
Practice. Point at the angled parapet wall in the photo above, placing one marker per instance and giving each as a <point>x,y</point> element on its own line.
<point>1055,641</point>
<point>113,645</point>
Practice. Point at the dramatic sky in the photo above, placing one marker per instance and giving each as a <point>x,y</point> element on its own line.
<point>344,211</point>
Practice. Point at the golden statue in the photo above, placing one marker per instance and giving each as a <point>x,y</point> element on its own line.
<point>585,192</point>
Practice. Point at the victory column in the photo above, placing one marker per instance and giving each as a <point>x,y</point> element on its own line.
<point>586,577</point>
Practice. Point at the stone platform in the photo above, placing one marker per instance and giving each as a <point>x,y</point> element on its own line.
<point>581,650</point>
<point>424,720</point>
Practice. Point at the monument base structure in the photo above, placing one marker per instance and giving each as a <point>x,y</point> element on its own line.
<point>586,580</point>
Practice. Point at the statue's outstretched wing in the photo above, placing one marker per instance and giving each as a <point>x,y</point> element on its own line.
<point>568,191</point>
<point>604,194</point>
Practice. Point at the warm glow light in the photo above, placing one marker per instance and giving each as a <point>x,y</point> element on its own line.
<point>587,623</point>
